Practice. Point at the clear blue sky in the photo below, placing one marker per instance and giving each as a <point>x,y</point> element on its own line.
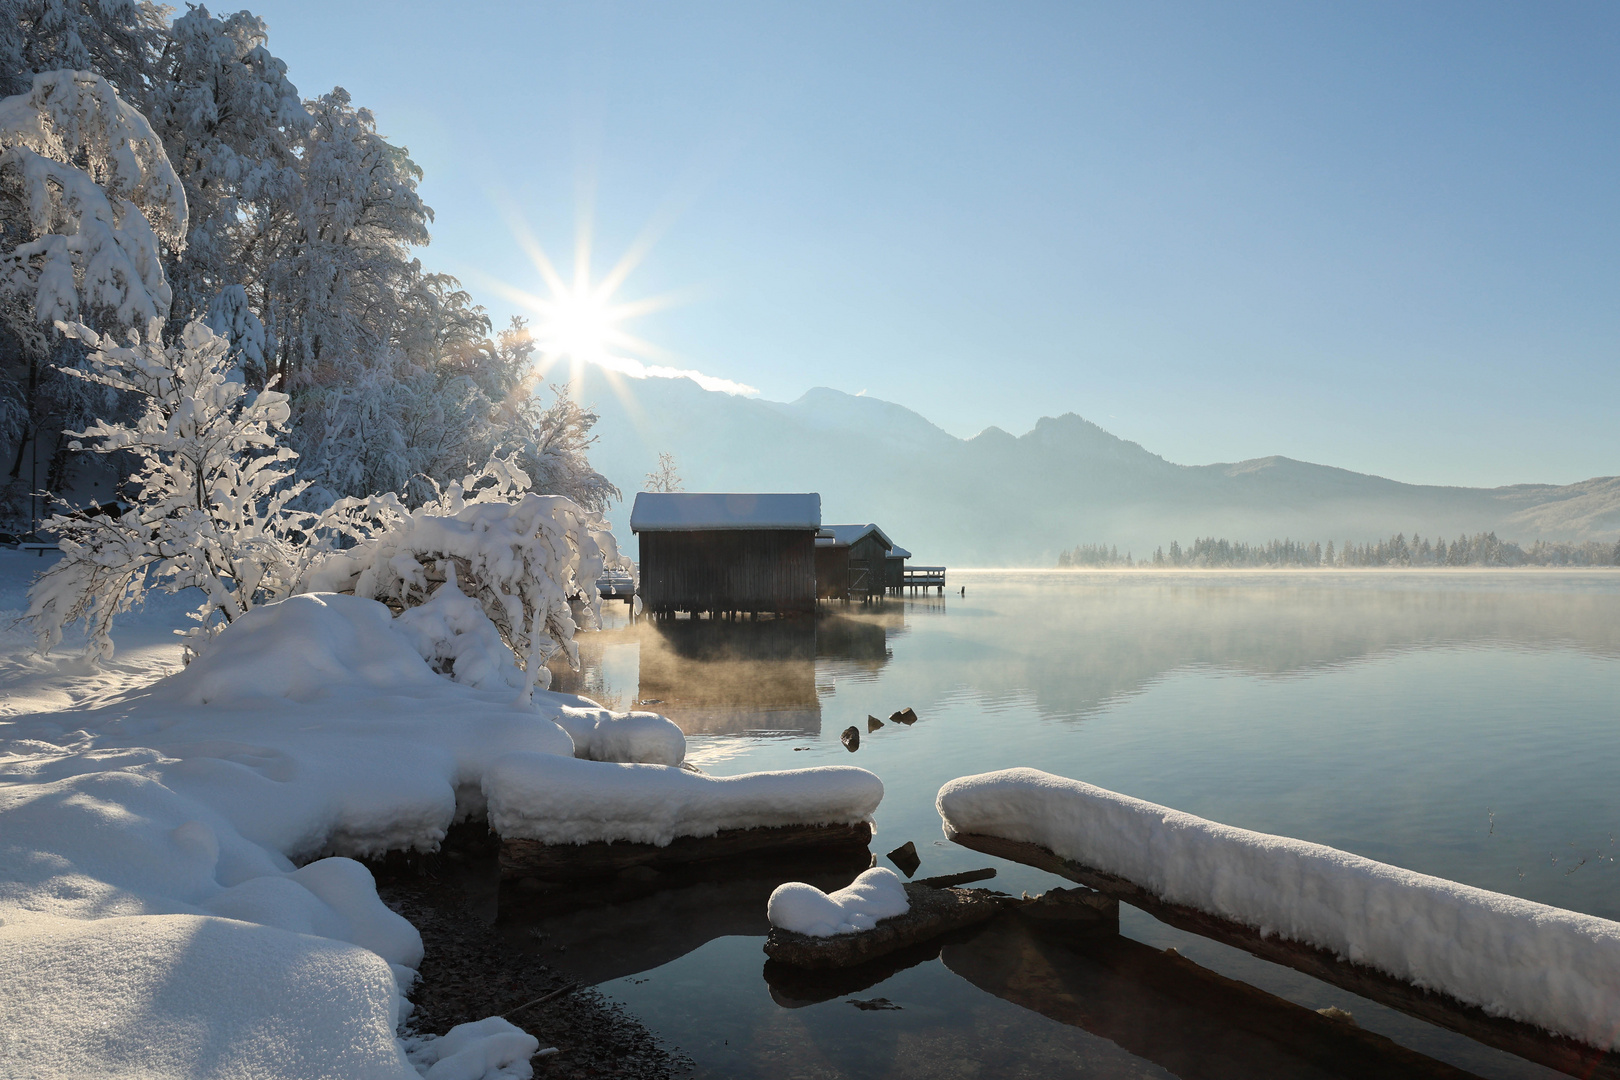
<point>1382,236</point>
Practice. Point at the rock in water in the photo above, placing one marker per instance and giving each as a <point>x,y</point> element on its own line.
<point>851,738</point>
<point>906,858</point>
<point>873,723</point>
<point>931,912</point>
<point>907,716</point>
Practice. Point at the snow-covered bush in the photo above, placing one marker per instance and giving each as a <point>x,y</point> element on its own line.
<point>529,561</point>
<point>210,491</point>
<point>456,638</point>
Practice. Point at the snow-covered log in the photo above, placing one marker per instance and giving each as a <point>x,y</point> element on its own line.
<point>562,800</point>
<point>1556,969</point>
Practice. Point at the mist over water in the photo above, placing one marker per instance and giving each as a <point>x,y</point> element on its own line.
<point>1463,724</point>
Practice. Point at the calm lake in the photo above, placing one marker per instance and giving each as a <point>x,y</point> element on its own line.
<point>1462,724</point>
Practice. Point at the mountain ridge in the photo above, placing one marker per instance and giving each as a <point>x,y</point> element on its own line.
<point>997,499</point>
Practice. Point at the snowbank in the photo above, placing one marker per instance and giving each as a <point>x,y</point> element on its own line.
<point>1543,965</point>
<point>639,737</point>
<point>315,727</point>
<point>192,996</point>
<point>804,909</point>
<point>566,801</point>
<point>152,920</point>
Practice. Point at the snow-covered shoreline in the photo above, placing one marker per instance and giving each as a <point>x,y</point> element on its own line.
<point>1557,969</point>
<point>178,890</point>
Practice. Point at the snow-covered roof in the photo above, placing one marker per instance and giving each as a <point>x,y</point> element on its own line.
<point>898,552</point>
<point>664,511</point>
<point>846,535</point>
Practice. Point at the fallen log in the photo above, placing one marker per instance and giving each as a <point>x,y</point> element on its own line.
<point>933,912</point>
<point>1523,1040</point>
<point>946,881</point>
<point>522,858</point>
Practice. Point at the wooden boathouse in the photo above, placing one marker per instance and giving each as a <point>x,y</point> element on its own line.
<point>727,553</point>
<point>858,562</point>
<point>852,562</point>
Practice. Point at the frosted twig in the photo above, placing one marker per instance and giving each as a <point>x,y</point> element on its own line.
<point>541,1000</point>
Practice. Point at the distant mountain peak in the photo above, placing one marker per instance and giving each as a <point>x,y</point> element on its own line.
<point>1000,500</point>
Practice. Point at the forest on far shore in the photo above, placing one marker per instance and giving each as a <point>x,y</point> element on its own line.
<point>1481,549</point>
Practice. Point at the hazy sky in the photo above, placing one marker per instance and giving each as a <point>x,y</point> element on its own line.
<point>1382,236</point>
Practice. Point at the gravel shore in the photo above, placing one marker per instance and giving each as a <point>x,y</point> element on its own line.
<point>467,974</point>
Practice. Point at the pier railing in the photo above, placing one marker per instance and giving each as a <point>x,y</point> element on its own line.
<point>923,577</point>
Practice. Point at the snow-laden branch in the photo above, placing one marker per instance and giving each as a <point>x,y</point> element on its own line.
<point>100,200</point>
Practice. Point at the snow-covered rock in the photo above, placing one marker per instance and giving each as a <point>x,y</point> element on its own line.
<point>559,800</point>
<point>1543,965</point>
<point>642,738</point>
<point>804,909</point>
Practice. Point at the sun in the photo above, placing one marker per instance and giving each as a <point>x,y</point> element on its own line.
<point>578,325</point>
<point>583,323</point>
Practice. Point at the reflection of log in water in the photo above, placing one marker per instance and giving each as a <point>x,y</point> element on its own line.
<point>1521,1039</point>
<point>795,987</point>
<point>659,918</point>
<point>1161,1006</point>
<point>599,859</point>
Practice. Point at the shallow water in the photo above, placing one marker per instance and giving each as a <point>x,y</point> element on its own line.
<point>1459,724</point>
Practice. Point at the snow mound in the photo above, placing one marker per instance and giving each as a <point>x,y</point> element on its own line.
<point>194,996</point>
<point>481,1050</point>
<point>303,648</point>
<point>804,909</point>
<point>452,633</point>
<point>153,919</point>
<point>633,738</point>
<point>560,800</point>
<point>1511,957</point>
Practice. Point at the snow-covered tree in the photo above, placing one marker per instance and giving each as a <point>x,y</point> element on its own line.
<point>233,318</point>
<point>233,124</point>
<point>389,425</point>
<point>666,477</point>
<point>114,38</point>
<point>341,281</point>
<point>209,494</point>
<point>88,204</point>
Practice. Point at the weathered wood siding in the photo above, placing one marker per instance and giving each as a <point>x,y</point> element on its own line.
<point>868,552</point>
<point>832,573</point>
<point>763,570</point>
<point>895,579</point>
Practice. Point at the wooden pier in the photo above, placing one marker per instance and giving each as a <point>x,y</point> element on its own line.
<point>923,577</point>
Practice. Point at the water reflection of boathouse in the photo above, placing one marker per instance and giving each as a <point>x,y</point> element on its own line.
<point>714,676</point>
